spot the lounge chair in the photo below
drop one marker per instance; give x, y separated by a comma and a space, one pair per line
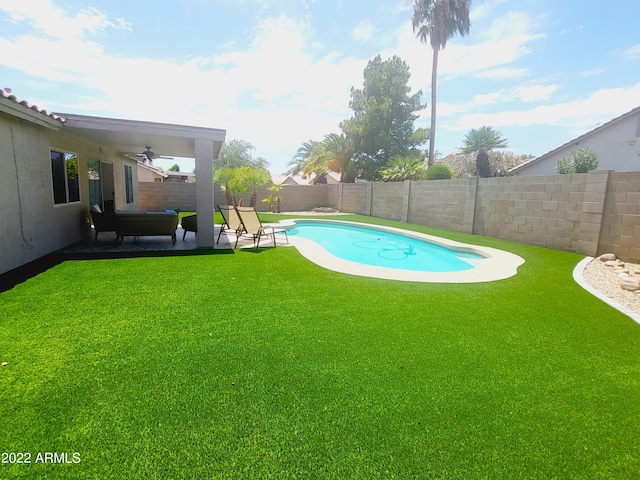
253, 226
231, 219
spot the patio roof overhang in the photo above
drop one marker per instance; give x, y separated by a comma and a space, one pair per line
127, 136
132, 135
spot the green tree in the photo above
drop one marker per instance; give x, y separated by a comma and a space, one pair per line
382, 126
174, 168
436, 21
238, 153
403, 168
481, 141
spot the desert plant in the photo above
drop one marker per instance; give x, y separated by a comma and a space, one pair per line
275, 197
403, 167
438, 172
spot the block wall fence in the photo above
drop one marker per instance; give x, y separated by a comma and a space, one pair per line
589, 213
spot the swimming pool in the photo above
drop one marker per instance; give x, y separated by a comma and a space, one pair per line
396, 254
380, 248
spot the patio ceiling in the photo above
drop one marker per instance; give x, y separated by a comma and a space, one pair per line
131, 136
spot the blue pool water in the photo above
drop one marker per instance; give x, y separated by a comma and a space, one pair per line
380, 248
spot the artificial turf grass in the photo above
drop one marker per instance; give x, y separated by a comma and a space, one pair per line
256, 364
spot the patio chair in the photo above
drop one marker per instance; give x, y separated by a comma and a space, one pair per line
231, 219
189, 224
254, 227
102, 221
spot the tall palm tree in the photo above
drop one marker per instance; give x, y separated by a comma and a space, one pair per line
339, 152
436, 21
481, 141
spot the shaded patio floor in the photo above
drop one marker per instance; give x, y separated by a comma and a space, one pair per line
107, 243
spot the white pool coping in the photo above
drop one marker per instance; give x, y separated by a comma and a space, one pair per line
497, 264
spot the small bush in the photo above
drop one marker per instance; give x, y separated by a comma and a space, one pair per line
582, 161
565, 165
438, 172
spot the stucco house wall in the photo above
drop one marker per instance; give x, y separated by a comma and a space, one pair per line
616, 143
34, 225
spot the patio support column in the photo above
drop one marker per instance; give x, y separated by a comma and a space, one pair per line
204, 192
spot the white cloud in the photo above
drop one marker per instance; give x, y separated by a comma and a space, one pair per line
632, 53
579, 115
363, 32
56, 23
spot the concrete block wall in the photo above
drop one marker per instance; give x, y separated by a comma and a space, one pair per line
159, 196
354, 198
446, 204
620, 232
555, 211
387, 200
542, 210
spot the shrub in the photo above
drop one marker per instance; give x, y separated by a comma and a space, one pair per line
582, 161
438, 172
565, 165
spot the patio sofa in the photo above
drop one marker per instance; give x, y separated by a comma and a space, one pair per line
138, 224
135, 224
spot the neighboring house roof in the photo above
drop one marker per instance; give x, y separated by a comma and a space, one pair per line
578, 140
152, 169
332, 178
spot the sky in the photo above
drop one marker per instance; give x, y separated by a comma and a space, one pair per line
277, 73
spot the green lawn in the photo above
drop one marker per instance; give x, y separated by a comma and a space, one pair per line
260, 364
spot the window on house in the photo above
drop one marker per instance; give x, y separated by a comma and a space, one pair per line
64, 172
128, 182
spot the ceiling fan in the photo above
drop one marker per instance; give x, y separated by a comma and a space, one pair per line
147, 156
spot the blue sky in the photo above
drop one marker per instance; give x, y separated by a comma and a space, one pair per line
279, 72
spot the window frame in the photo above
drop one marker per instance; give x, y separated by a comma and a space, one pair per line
64, 190
128, 184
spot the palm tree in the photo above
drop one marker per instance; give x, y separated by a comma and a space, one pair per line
254, 178
310, 159
339, 152
224, 177
481, 141
437, 21
403, 168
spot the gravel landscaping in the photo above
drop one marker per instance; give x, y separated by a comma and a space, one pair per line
605, 279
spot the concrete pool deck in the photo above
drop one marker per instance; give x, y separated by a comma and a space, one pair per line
496, 265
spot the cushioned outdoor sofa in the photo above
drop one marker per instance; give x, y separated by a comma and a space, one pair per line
135, 224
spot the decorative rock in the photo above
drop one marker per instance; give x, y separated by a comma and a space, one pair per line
606, 257
628, 282
611, 263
